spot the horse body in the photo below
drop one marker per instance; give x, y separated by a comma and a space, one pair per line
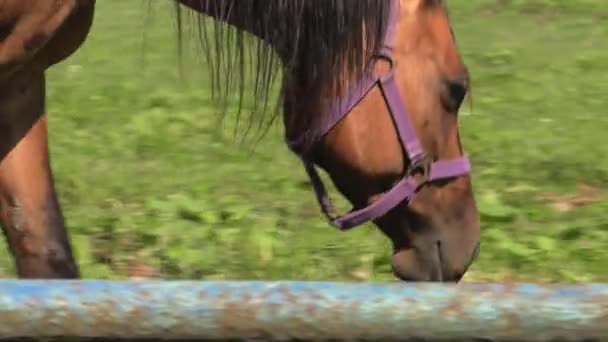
325, 50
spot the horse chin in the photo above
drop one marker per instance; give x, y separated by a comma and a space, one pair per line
415, 264
406, 267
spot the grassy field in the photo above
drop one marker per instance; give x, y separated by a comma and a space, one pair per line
151, 186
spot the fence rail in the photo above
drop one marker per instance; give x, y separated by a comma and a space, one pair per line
178, 310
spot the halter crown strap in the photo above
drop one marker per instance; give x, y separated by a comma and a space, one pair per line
409, 185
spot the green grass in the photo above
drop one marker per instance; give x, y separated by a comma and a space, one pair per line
148, 181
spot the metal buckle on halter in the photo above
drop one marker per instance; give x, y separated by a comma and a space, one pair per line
420, 166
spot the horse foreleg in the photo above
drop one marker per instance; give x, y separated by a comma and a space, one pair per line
30, 213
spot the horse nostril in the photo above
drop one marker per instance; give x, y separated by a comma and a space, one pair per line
439, 261
475, 252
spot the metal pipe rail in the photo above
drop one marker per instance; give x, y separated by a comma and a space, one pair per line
180, 310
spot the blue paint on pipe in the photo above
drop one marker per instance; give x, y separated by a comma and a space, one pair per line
302, 310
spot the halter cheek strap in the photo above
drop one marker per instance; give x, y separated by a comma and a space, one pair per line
426, 169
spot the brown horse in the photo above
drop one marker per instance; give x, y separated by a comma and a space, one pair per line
370, 93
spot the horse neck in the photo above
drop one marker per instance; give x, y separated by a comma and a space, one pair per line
239, 14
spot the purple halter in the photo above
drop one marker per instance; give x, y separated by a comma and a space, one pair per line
408, 186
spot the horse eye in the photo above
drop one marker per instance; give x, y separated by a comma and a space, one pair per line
454, 92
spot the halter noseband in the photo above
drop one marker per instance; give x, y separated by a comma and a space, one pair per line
409, 185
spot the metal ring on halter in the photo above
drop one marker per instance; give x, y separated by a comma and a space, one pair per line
421, 166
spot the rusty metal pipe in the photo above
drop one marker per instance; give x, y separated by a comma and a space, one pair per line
174, 310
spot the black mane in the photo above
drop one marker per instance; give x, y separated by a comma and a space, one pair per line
318, 42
